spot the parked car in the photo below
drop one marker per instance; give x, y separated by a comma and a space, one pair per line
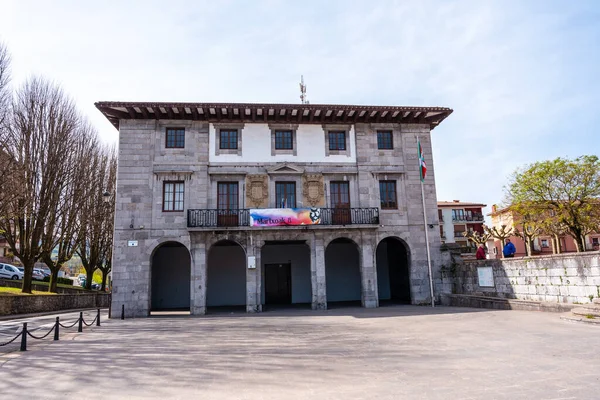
38, 275
10, 272
95, 286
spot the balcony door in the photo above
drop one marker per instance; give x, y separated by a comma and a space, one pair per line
340, 202
227, 204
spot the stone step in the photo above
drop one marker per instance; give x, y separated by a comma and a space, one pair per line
589, 306
573, 318
596, 300
586, 312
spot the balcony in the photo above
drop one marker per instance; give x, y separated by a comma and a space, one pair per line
214, 218
468, 218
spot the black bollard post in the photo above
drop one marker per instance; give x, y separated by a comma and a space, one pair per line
123, 311
56, 328
110, 309
98, 318
24, 337
80, 327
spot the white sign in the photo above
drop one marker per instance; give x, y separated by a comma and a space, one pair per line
132, 243
486, 276
251, 262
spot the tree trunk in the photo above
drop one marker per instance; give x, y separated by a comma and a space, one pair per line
528, 246
557, 240
53, 279
104, 275
88, 279
27, 277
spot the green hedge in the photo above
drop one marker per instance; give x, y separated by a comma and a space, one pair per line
64, 281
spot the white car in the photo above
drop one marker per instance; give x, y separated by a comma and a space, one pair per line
10, 272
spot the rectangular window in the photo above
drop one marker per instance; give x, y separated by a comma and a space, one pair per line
227, 204
283, 140
173, 196
458, 215
544, 243
387, 194
175, 138
227, 196
595, 242
385, 140
337, 140
285, 194
228, 139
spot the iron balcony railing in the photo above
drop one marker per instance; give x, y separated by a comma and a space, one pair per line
467, 218
214, 218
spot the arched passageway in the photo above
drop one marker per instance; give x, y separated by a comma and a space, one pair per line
393, 271
342, 272
286, 273
170, 278
226, 275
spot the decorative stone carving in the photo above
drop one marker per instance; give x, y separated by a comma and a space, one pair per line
257, 191
313, 190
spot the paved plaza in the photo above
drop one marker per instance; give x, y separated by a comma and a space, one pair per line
396, 352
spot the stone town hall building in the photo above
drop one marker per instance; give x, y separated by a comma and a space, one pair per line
256, 205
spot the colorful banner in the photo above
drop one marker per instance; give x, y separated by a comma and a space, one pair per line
284, 216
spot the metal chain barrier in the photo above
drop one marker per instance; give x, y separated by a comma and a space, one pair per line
11, 340
42, 337
24, 332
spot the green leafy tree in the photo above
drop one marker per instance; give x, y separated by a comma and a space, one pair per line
568, 189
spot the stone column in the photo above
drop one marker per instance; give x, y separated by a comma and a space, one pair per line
253, 278
317, 274
368, 274
198, 279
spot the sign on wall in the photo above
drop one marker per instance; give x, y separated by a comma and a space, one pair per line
485, 276
284, 216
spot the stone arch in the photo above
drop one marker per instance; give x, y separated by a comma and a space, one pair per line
393, 270
226, 274
343, 270
170, 273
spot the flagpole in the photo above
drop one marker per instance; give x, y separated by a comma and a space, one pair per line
425, 226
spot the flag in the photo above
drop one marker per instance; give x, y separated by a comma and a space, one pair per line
422, 166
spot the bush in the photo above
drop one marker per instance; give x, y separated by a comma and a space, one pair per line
63, 281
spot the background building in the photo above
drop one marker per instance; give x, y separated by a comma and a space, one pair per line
256, 205
457, 217
543, 243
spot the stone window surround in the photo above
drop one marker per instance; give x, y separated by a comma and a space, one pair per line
352, 180
396, 130
278, 178
175, 130
337, 128
389, 176
214, 181
284, 127
161, 137
228, 125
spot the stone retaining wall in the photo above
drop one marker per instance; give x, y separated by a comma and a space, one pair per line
27, 304
564, 278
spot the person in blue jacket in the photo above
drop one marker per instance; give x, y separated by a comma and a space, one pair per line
509, 249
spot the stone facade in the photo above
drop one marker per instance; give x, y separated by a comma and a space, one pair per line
141, 225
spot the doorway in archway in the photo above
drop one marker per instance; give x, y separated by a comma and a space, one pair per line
226, 277
393, 272
342, 273
286, 280
170, 278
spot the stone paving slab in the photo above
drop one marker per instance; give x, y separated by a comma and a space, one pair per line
398, 352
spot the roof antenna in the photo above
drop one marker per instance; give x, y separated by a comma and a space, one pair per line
303, 90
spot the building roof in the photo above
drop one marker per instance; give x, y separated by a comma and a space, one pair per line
457, 203
276, 113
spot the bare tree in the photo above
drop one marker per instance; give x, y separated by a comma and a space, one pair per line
94, 212
476, 237
62, 228
36, 139
501, 234
5, 93
108, 217
6, 164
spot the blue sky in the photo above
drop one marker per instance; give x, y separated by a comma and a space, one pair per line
521, 76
